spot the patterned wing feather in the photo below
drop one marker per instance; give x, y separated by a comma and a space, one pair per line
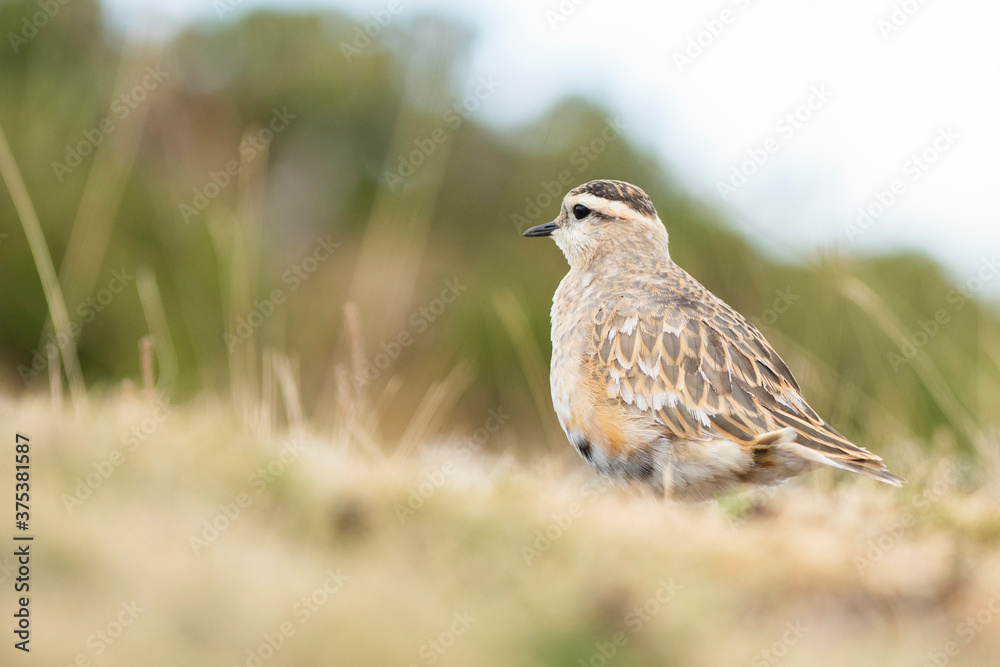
704, 371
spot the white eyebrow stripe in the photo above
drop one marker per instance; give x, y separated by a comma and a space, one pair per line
615, 209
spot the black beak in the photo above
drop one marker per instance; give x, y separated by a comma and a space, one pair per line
542, 230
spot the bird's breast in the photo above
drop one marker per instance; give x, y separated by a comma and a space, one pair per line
579, 395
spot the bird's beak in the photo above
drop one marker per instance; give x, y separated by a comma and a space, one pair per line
542, 230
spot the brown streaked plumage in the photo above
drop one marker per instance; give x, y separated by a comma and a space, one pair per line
656, 379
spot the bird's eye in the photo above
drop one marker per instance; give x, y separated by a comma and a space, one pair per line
581, 211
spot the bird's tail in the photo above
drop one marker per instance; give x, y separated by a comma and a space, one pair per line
856, 459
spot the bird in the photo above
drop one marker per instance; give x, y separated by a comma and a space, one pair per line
657, 381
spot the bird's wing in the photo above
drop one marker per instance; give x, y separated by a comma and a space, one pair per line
704, 371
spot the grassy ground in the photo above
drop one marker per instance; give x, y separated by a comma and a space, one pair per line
201, 546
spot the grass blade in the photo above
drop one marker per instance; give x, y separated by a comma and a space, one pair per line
46, 272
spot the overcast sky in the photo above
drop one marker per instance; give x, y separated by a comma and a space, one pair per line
886, 105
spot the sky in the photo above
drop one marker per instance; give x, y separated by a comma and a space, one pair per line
861, 126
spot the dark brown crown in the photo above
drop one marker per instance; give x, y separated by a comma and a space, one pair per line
628, 194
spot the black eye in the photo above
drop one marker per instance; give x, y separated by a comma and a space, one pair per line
581, 211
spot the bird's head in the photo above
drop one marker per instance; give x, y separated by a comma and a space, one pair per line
606, 219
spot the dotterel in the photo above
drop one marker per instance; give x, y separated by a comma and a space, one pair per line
655, 379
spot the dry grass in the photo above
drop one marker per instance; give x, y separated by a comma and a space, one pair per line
742, 569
